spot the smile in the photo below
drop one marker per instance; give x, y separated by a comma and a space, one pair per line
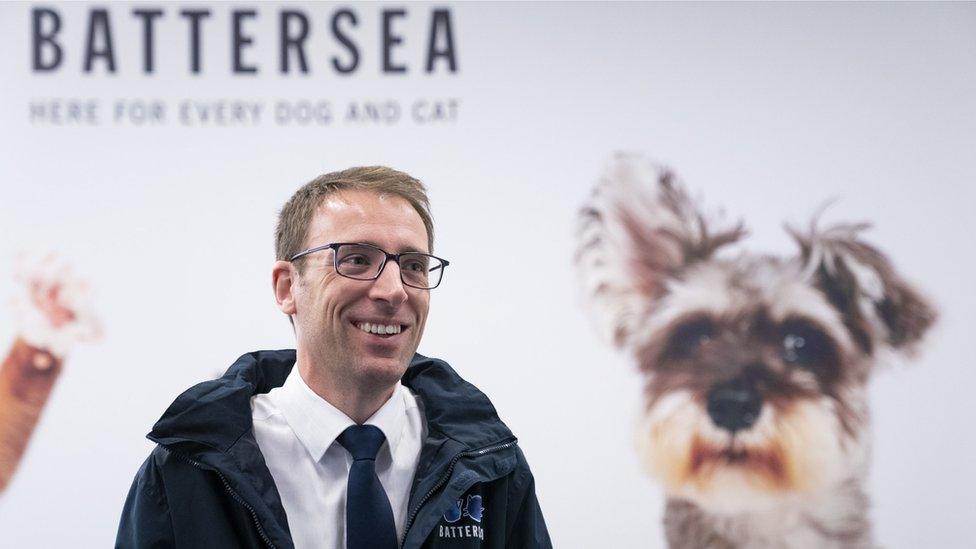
380, 329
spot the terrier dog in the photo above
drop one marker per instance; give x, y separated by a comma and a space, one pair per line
755, 367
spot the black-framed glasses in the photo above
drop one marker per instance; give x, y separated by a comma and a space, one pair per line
366, 262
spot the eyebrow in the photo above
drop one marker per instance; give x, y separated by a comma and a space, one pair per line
400, 251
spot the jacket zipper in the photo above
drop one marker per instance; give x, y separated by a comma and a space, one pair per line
230, 490
446, 476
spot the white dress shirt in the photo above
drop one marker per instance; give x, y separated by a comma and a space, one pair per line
296, 430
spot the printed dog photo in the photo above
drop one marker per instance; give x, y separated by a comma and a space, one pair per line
755, 367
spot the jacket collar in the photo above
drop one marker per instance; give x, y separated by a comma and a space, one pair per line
217, 414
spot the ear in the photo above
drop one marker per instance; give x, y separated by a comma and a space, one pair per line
877, 305
639, 230
283, 275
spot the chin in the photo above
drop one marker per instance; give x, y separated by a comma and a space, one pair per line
381, 371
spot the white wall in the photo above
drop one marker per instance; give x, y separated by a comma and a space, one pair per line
767, 110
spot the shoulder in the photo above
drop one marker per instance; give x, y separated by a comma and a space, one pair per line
163, 471
149, 487
522, 477
149, 477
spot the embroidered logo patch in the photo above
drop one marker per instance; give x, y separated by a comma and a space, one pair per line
472, 508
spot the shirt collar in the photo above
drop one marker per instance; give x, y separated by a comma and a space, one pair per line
317, 423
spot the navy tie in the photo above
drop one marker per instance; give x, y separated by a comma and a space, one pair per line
369, 517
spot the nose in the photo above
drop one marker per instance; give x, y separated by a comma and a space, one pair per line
734, 405
388, 286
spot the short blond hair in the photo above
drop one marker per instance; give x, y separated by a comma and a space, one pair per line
296, 215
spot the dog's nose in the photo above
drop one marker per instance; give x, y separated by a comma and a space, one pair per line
734, 406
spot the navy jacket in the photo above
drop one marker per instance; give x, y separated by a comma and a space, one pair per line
206, 483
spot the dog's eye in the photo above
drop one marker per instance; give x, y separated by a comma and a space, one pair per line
805, 345
688, 337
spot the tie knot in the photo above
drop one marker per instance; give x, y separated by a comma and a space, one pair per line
362, 441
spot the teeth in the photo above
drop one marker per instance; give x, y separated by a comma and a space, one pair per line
379, 329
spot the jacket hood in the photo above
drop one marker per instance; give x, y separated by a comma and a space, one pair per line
217, 413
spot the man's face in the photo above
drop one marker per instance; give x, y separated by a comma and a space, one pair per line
330, 309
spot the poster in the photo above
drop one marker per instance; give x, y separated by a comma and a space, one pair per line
149, 147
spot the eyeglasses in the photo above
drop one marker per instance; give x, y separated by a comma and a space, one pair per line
366, 262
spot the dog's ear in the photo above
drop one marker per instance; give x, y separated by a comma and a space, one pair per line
877, 305
638, 230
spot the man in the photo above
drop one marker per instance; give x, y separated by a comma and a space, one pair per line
339, 443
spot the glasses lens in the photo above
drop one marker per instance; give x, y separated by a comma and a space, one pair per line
359, 261
421, 270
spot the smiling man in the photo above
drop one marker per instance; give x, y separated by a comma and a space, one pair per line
352, 439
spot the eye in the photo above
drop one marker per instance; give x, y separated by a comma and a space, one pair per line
806, 345
688, 337
413, 265
354, 259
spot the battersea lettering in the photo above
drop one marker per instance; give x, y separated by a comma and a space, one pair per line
100, 50
472, 531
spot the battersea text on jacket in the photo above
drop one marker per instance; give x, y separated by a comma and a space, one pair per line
206, 483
